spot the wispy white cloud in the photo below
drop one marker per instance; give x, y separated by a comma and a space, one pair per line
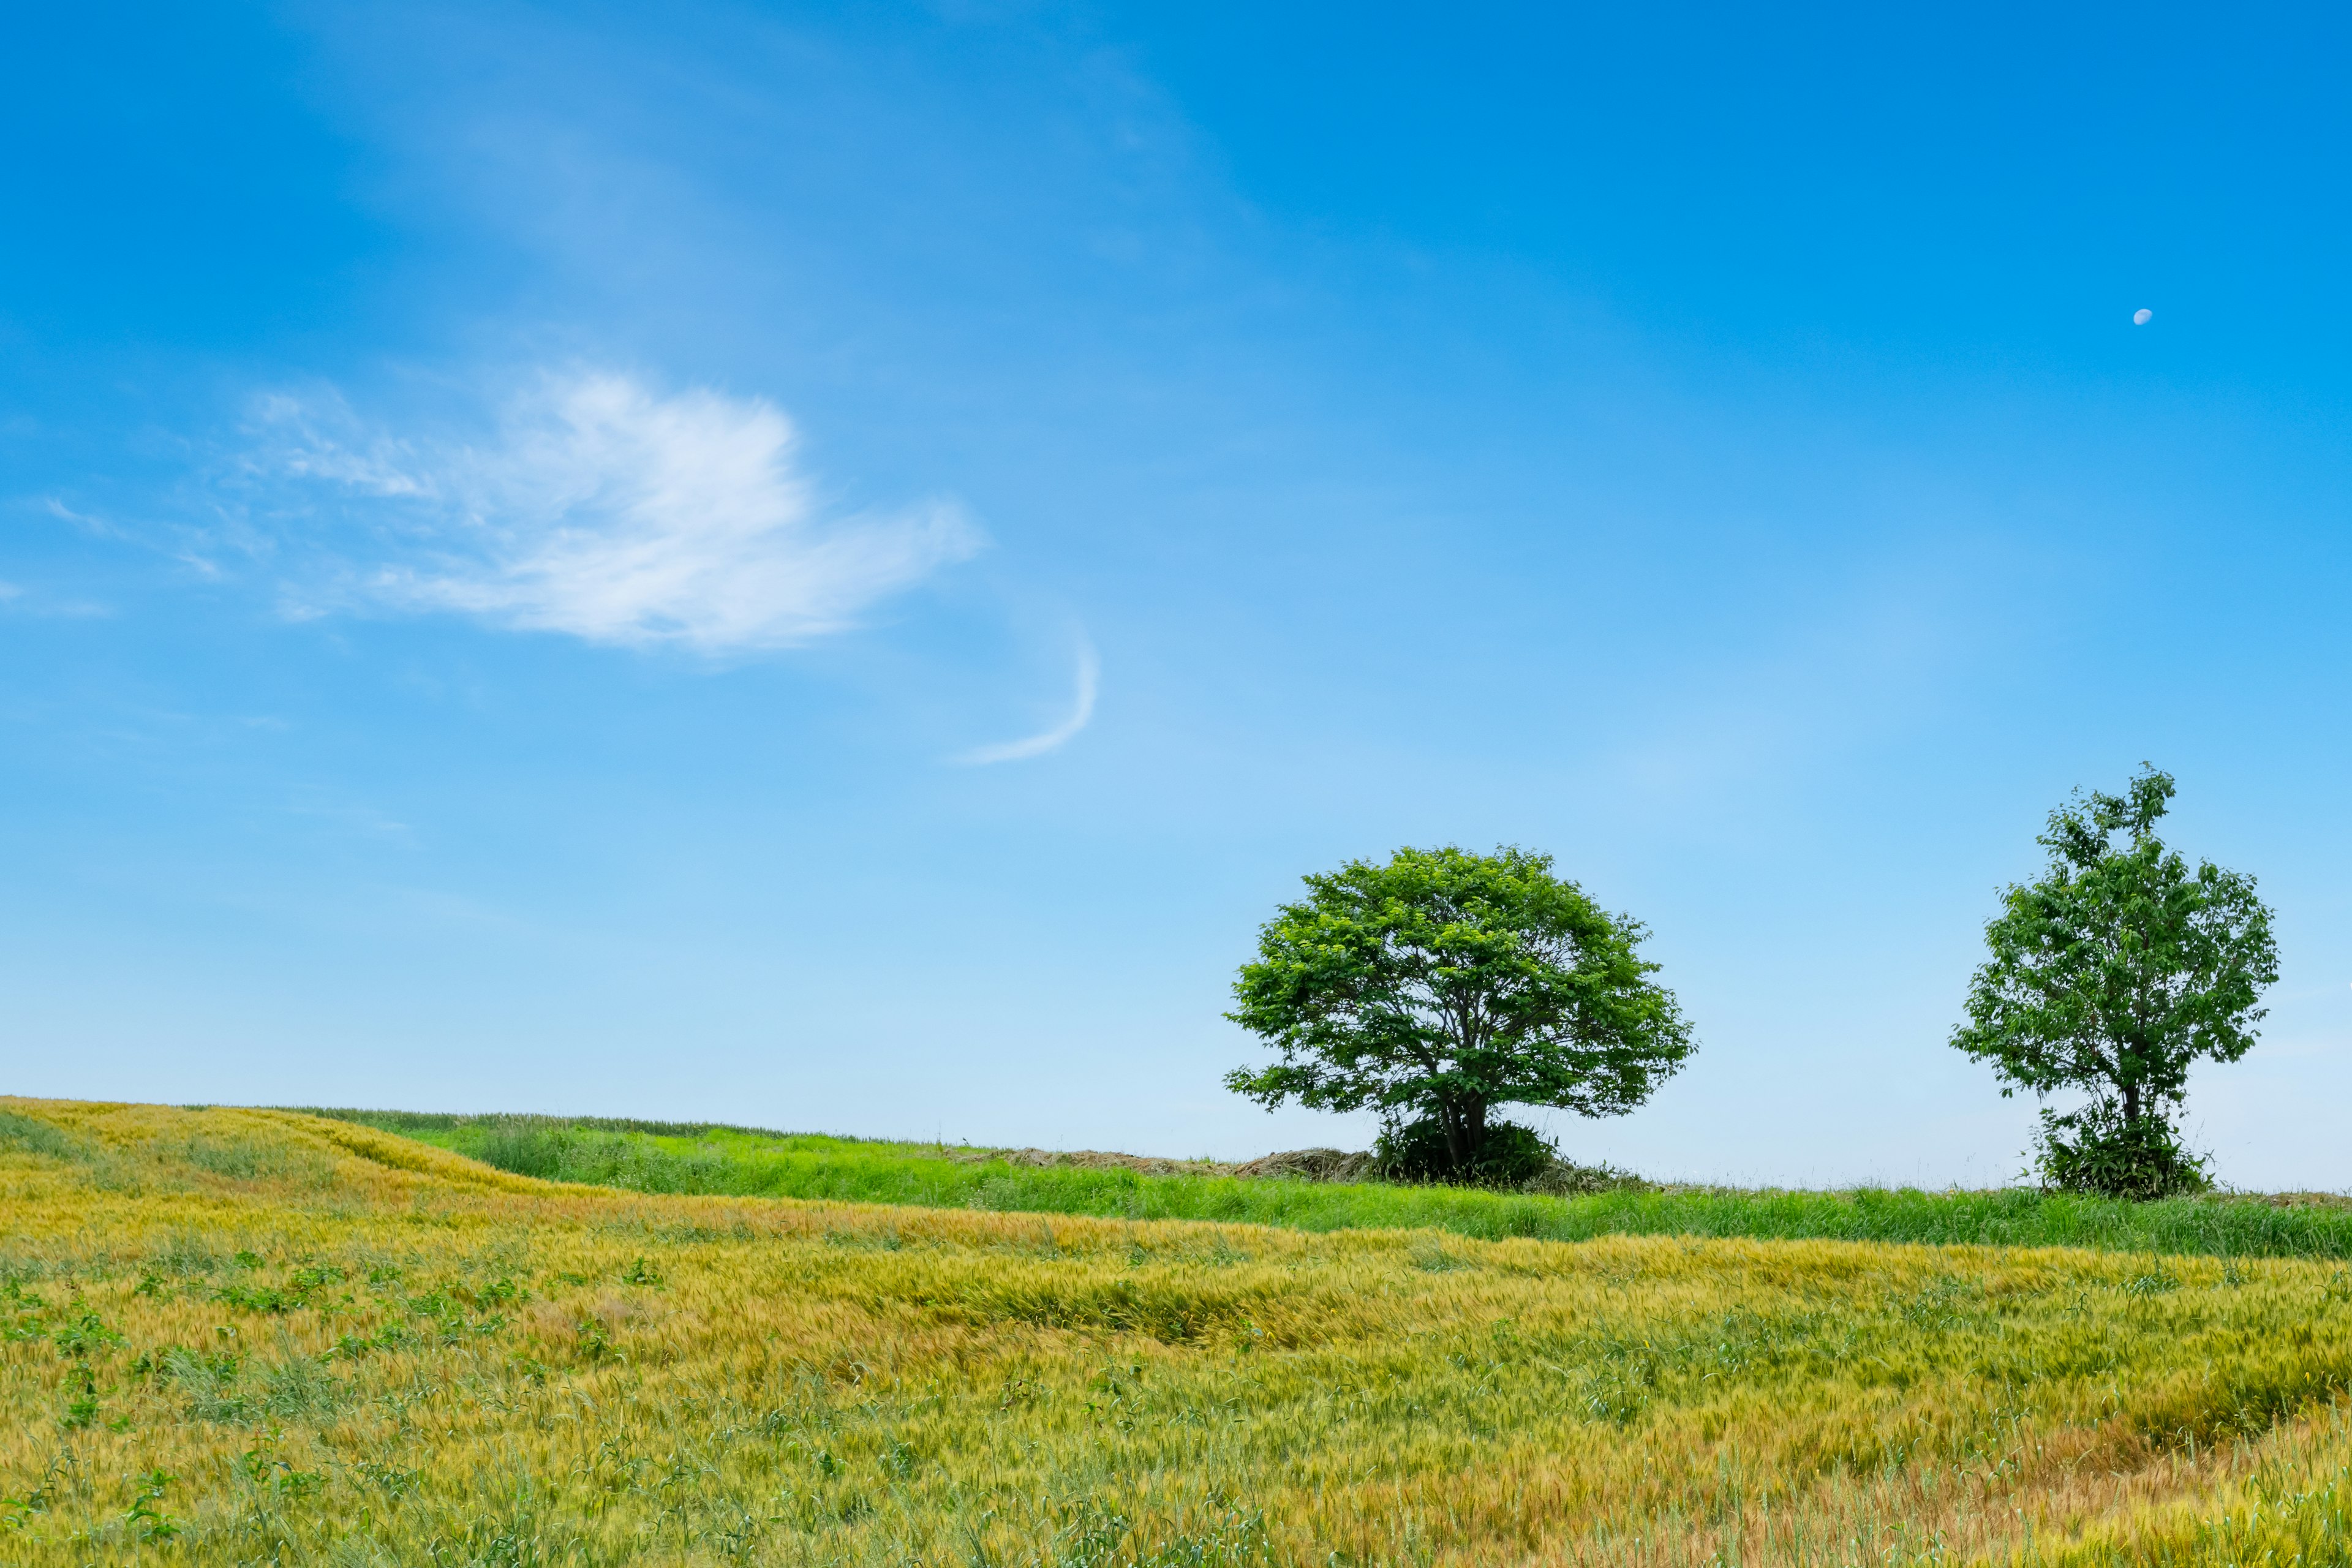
1082, 709
172, 541
89, 522
318, 437
16, 599
597, 508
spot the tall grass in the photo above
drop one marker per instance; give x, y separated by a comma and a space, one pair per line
744, 1163
352, 1349
426, 1124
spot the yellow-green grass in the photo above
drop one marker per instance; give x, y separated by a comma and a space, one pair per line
235, 1336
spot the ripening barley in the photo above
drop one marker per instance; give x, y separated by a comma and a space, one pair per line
248, 1336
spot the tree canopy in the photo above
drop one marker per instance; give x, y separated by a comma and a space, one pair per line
2113, 975
1444, 983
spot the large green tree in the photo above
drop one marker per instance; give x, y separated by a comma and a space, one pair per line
1444, 983
2112, 976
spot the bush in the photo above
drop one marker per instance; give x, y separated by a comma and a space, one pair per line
1512, 1156
2096, 1150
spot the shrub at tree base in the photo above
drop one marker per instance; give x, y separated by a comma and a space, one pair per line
2098, 1150
1512, 1157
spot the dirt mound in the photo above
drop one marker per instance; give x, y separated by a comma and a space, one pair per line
1309, 1165
1097, 1160
1294, 1164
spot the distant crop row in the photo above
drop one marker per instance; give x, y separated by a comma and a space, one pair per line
736, 1162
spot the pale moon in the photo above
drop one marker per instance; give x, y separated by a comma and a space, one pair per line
2142, 318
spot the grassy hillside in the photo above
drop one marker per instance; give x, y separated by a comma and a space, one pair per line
249, 1336
657, 1157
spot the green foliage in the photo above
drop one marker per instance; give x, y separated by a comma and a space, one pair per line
2096, 1149
146, 1520
1443, 983
2113, 976
1511, 1157
84, 1336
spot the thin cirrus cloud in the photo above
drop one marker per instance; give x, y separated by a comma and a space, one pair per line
599, 510
1082, 709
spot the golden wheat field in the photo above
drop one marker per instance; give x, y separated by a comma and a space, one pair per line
237, 1336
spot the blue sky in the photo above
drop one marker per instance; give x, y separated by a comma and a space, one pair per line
825, 566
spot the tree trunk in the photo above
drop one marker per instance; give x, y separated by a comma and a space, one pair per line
1465, 1121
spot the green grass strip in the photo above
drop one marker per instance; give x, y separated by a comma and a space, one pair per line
658, 1157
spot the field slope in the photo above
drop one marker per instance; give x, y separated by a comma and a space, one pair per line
254, 1336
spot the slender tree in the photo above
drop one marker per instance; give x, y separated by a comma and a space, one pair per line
2112, 976
1444, 983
